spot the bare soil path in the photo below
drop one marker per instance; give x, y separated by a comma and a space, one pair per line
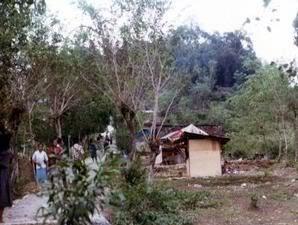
24, 210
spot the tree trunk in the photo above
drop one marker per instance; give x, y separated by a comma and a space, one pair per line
155, 113
286, 145
279, 149
154, 147
129, 118
285, 139
151, 168
58, 126
279, 139
15, 162
14, 172
132, 141
14, 122
296, 144
264, 142
295, 124
31, 134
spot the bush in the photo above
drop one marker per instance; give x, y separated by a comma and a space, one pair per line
254, 198
135, 174
155, 205
75, 191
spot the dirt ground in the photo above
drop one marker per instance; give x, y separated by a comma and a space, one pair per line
26, 183
274, 186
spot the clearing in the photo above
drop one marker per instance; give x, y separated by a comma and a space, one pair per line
275, 186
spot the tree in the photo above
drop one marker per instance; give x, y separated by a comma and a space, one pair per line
214, 66
219, 57
63, 84
35, 83
15, 19
90, 116
259, 119
132, 60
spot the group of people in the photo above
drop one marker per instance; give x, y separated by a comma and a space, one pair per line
44, 161
99, 145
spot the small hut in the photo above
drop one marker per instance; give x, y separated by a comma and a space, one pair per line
202, 150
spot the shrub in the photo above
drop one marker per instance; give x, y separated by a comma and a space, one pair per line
75, 191
254, 198
157, 204
144, 206
135, 174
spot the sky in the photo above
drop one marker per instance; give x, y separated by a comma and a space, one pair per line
221, 16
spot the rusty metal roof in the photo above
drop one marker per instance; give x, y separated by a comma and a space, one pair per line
212, 130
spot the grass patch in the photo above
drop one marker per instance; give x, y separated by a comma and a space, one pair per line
224, 180
161, 206
281, 196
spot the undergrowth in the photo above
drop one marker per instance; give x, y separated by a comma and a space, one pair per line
76, 193
145, 204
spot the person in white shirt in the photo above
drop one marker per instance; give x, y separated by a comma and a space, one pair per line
77, 150
40, 159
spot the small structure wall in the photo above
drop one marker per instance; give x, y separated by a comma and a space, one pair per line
204, 158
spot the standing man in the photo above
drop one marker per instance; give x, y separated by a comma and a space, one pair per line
92, 150
40, 159
5, 159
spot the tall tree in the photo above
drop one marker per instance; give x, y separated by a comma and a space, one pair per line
35, 83
259, 119
64, 87
15, 19
133, 62
214, 65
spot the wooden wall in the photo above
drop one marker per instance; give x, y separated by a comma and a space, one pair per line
204, 158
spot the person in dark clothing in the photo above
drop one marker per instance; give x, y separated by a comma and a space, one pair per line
5, 159
92, 149
106, 142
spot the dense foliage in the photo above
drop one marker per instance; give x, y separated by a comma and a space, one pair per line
15, 19
212, 65
261, 117
259, 120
